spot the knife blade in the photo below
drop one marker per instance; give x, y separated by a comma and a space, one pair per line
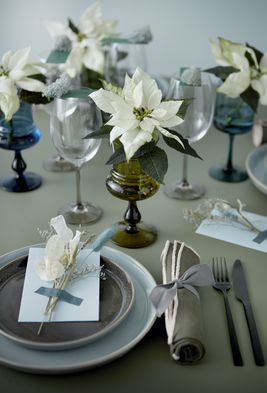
241, 293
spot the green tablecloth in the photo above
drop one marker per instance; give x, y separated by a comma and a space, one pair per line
148, 367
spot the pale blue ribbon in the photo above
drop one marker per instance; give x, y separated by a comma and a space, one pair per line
60, 294
197, 275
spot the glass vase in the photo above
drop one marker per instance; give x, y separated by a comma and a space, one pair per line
128, 181
19, 134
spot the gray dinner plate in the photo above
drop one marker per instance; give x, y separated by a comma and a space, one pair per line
112, 345
116, 300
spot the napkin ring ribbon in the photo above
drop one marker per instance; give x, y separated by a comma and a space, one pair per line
60, 294
196, 276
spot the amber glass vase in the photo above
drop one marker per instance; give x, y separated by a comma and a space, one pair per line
128, 181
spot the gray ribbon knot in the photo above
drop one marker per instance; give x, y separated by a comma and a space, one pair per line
196, 276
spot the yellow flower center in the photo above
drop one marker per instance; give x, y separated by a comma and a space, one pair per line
141, 113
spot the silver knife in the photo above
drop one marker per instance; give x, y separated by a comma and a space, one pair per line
241, 293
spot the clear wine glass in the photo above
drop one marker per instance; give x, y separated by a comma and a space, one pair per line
71, 120
196, 124
123, 58
234, 117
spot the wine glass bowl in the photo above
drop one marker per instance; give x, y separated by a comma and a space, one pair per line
71, 121
233, 117
122, 58
196, 124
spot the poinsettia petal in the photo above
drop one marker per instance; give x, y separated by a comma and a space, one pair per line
169, 135
155, 99
133, 139
104, 100
115, 133
93, 58
263, 63
148, 124
54, 28
235, 84
138, 95
30, 84
171, 122
171, 108
60, 226
260, 85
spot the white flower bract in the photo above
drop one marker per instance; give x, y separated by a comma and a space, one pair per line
15, 72
251, 73
137, 112
60, 251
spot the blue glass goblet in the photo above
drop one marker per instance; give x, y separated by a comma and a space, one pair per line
19, 134
234, 117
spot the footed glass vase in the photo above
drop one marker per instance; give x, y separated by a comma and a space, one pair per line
19, 134
128, 181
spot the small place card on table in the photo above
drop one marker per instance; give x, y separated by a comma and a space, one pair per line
236, 233
87, 288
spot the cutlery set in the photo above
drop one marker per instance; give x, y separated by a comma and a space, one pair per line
223, 284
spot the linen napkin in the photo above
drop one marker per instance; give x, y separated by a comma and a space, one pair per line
181, 272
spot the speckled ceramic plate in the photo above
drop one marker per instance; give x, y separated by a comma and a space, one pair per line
111, 346
116, 300
256, 167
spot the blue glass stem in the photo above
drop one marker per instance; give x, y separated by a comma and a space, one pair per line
229, 165
18, 164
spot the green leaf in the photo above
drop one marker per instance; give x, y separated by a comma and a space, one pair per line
117, 157
221, 71
115, 40
38, 77
91, 78
33, 97
146, 148
257, 52
102, 132
73, 27
110, 87
57, 57
177, 146
251, 97
82, 93
250, 59
155, 164
183, 108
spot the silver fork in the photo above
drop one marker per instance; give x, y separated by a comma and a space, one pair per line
222, 284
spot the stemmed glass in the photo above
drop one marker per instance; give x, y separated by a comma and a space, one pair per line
123, 58
196, 124
234, 117
71, 120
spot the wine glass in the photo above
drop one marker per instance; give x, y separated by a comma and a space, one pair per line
196, 123
71, 120
123, 58
234, 117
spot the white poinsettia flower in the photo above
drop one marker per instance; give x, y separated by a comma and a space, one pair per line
15, 72
9, 101
86, 49
17, 67
138, 113
60, 251
227, 53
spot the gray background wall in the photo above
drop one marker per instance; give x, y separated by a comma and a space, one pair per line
181, 29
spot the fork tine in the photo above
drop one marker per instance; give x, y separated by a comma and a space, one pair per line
226, 270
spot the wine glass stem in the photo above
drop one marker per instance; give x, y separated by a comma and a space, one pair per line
184, 175
229, 165
78, 187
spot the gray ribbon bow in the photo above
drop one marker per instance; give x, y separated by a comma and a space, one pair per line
197, 275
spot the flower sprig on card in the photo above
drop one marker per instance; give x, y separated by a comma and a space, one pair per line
216, 209
59, 264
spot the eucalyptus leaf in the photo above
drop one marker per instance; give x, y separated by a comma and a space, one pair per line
82, 93
177, 146
102, 132
57, 57
155, 164
221, 71
115, 40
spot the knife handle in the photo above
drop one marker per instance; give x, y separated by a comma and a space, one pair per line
237, 357
254, 337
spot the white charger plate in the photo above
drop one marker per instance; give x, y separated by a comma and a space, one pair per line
113, 345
